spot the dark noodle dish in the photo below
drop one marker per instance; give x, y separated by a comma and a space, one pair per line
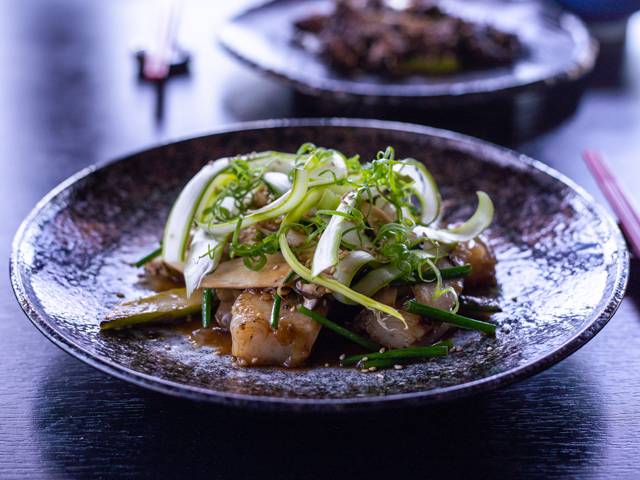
270, 248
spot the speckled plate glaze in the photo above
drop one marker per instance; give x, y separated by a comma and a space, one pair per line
558, 48
562, 268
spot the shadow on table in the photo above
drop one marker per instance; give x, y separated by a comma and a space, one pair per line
93, 425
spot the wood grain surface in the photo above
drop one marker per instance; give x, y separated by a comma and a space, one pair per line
69, 97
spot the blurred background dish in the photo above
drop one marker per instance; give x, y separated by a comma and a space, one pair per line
538, 89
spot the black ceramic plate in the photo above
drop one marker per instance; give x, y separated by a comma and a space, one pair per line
562, 268
558, 49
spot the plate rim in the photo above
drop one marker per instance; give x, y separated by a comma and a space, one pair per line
42, 321
582, 62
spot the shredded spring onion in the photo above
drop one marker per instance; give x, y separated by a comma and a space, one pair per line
348, 267
178, 227
332, 284
326, 254
275, 209
474, 226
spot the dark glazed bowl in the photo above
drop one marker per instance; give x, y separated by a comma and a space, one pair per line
562, 269
558, 50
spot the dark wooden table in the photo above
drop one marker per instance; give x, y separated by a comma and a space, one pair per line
69, 97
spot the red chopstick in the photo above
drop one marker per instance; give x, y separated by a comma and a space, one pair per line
617, 198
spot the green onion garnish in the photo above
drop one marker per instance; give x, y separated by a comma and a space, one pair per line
207, 300
451, 272
275, 311
340, 330
379, 363
449, 317
150, 256
415, 352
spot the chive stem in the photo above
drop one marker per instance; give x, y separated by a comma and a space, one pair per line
415, 352
207, 300
340, 330
451, 272
150, 256
449, 317
379, 363
275, 311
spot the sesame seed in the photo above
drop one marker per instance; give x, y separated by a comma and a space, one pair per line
489, 349
326, 365
382, 350
364, 370
379, 375
342, 357
398, 367
372, 369
275, 267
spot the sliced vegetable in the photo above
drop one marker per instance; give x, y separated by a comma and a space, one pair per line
347, 268
474, 226
376, 280
167, 305
235, 274
178, 226
275, 209
326, 254
278, 182
211, 194
425, 189
449, 317
273, 161
332, 284
331, 167
204, 256
339, 329
309, 201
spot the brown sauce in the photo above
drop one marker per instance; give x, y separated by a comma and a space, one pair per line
216, 338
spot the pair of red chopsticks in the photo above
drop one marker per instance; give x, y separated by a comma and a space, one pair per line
617, 198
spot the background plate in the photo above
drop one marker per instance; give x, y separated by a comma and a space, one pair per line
562, 268
559, 50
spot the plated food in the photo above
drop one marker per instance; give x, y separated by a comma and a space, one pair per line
417, 37
561, 268
490, 50
272, 246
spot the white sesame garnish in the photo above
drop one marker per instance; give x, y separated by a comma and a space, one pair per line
342, 357
364, 359
372, 369
489, 349
326, 365
379, 375
364, 370
382, 350
398, 367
